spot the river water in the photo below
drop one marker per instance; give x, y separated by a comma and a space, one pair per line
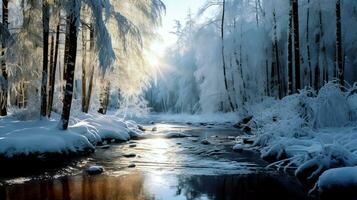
161, 166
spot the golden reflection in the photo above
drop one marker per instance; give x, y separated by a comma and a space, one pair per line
82, 188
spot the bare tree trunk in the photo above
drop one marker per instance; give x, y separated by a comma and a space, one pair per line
223, 57
71, 63
90, 85
54, 60
66, 51
290, 53
46, 30
277, 59
296, 33
4, 82
50, 81
339, 56
84, 65
308, 44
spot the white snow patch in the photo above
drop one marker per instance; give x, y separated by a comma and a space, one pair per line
43, 136
345, 177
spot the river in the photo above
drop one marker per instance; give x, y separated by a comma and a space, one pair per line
161, 166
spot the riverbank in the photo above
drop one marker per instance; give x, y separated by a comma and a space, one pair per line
42, 140
310, 133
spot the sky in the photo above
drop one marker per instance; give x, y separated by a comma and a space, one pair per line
175, 10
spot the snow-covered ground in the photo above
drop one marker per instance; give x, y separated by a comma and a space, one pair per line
43, 136
313, 132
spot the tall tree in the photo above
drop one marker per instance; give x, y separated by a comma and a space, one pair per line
73, 16
46, 31
4, 81
339, 53
290, 53
296, 34
84, 66
223, 56
91, 77
53, 68
276, 65
308, 49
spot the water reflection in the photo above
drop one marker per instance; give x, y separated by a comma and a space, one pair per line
157, 186
81, 187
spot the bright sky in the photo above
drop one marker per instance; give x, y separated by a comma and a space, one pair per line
175, 10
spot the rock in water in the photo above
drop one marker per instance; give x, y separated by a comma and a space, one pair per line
154, 129
238, 148
141, 128
94, 170
132, 165
132, 145
205, 142
243, 122
177, 135
130, 155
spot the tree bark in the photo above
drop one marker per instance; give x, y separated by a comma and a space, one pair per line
339, 56
53, 71
46, 30
84, 65
73, 17
66, 51
308, 49
91, 78
4, 82
277, 59
290, 53
223, 57
295, 9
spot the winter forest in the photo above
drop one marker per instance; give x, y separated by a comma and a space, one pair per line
153, 99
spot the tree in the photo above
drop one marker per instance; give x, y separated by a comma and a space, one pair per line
296, 34
339, 53
290, 53
73, 16
46, 31
4, 78
53, 67
223, 57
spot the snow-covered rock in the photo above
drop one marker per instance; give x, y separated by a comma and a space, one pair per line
94, 170
339, 178
238, 148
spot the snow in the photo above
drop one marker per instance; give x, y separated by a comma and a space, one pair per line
307, 131
344, 177
43, 136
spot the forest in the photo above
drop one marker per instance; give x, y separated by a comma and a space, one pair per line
248, 88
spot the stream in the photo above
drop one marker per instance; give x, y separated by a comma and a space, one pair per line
161, 166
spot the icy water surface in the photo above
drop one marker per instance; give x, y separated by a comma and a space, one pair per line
162, 166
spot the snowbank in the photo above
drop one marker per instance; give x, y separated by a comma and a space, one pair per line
345, 177
43, 136
312, 132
